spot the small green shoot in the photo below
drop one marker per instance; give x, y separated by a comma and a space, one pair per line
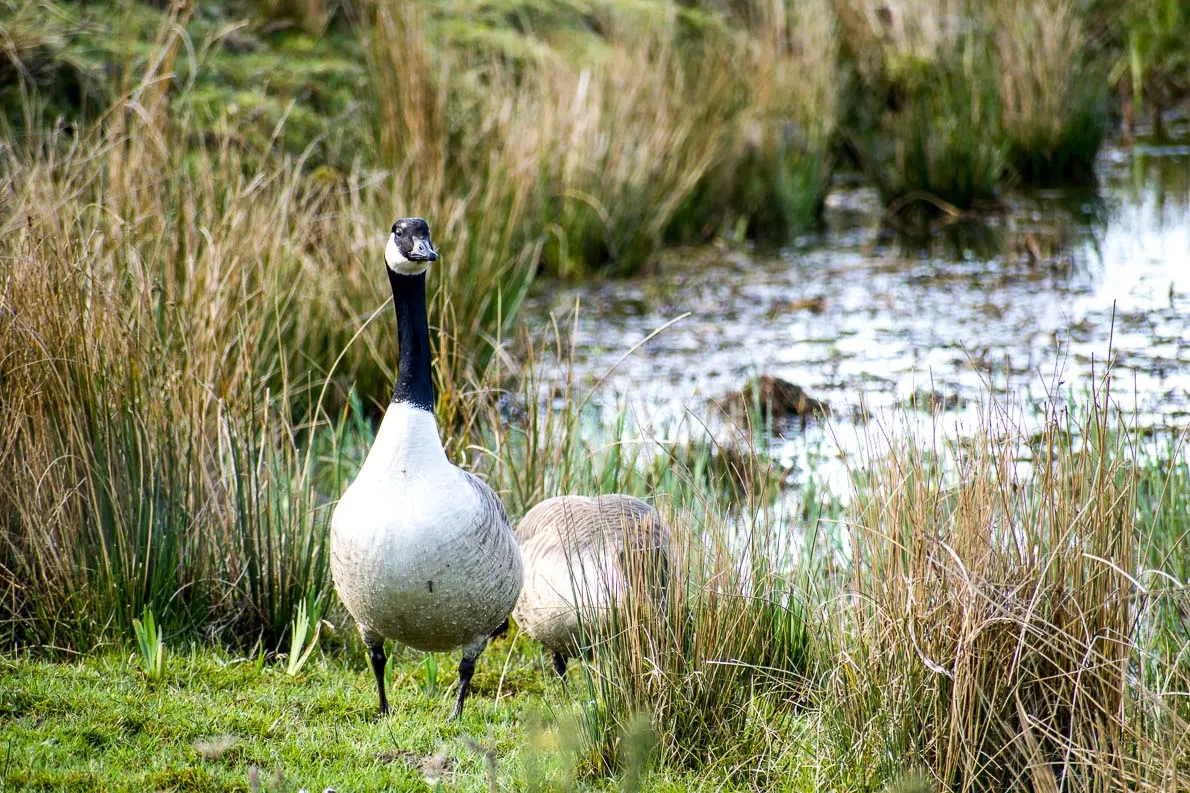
430, 684
150, 640
299, 651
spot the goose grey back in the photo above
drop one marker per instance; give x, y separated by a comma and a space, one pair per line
581, 557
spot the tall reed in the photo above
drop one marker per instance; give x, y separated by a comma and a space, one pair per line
723, 658
144, 425
1053, 95
179, 319
774, 166
992, 635
630, 139
1156, 58
925, 119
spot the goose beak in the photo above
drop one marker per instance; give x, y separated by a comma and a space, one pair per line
423, 251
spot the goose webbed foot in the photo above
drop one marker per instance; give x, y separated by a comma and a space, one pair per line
376, 651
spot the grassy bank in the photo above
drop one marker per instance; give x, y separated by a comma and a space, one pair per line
959, 617
95, 724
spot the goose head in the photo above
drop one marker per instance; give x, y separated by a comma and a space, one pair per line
409, 250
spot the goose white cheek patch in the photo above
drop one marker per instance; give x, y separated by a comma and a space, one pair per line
392, 254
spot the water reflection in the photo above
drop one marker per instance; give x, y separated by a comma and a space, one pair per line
864, 314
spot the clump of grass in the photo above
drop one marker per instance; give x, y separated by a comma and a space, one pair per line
728, 648
630, 141
925, 120
1053, 98
1163, 508
717, 663
773, 169
429, 668
150, 641
735, 472
1157, 57
299, 651
992, 636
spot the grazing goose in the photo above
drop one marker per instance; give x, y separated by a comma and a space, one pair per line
577, 565
421, 552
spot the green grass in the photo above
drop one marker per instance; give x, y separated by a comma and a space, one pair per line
95, 723
1155, 58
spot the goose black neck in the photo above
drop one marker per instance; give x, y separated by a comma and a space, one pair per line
414, 385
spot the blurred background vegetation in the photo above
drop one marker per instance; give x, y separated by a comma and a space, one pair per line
637, 123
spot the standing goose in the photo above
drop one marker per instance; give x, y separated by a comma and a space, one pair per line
580, 562
421, 551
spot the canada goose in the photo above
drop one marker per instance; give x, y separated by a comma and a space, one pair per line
421, 551
577, 565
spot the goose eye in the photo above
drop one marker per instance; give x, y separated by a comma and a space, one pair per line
397, 232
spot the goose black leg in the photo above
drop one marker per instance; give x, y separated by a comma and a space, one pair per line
378, 662
560, 665
560, 668
471, 654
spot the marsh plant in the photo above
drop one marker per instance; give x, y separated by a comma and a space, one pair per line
633, 137
955, 98
723, 654
992, 634
776, 166
924, 124
1053, 92
1157, 60
300, 651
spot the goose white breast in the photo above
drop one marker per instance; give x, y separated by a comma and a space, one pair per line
421, 551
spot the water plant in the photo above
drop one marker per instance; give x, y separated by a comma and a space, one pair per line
770, 176
925, 117
722, 658
1157, 56
1053, 93
994, 632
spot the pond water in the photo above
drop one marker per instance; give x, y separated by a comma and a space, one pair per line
1030, 301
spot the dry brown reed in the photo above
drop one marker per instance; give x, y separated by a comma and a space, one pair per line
776, 166
178, 323
629, 139
1053, 96
144, 313
716, 664
992, 634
